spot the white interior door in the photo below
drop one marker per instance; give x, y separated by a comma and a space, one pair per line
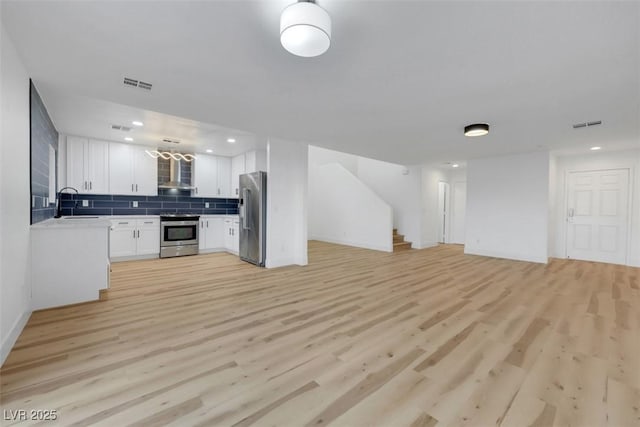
443, 214
458, 211
597, 215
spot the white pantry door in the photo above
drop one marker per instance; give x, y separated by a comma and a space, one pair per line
597, 215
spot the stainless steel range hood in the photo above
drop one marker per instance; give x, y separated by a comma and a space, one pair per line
176, 178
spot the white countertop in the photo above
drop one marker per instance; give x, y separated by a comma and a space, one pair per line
72, 222
80, 221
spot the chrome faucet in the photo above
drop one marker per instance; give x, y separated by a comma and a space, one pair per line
59, 200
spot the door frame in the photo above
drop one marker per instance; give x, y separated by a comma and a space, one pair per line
444, 215
630, 201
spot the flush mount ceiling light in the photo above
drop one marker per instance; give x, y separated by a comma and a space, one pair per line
231, 140
476, 129
596, 148
209, 150
128, 138
455, 165
137, 123
305, 29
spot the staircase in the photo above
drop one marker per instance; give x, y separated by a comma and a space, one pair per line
398, 242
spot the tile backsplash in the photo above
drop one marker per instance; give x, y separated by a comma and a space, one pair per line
44, 139
167, 201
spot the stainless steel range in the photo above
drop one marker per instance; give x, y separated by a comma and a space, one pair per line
178, 235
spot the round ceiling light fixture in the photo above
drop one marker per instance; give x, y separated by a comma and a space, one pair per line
305, 29
476, 129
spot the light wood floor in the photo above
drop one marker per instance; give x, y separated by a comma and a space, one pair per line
357, 338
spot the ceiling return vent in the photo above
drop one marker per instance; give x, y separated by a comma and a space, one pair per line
586, 124
137, 83
171, 141
122, 128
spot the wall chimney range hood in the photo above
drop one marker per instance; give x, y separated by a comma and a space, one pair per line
176, 177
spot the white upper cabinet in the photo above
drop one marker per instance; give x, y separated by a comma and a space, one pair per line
88, 165
237, 169
251, 161
132, 170
205, 176
224, 177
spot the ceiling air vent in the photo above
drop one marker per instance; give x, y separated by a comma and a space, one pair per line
122, 128
137, 83
171, 141
584, 125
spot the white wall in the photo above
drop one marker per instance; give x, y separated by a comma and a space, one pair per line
15, 280
344, 210
430, 215
507, 207
286, 203
597, 161
400, 187
322, 156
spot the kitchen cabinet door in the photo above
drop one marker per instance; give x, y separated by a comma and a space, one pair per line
75, 163
148, 237
202, 234
237, 169
205, 176
215, 233
97, 166
235, 233
228, 234
121, 179
122, 238
145, 172
224, 177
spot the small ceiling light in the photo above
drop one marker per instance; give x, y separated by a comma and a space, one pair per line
231, 140
455, 165
209, 150
596, 148
137, 123
305, 29
476, 129
128, 138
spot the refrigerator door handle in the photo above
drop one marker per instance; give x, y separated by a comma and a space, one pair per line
247, 208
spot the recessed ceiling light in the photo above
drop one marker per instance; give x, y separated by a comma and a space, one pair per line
455, 165
596, 148
137, 123
209, 150
231, 140
128, 138
476, 129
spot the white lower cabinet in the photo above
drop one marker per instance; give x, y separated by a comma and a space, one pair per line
211, 233
231, 235
134, 237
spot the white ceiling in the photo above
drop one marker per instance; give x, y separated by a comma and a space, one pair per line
399, 82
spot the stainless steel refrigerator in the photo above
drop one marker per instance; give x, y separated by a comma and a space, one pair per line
253, 217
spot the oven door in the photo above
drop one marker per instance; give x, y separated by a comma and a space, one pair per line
178, 233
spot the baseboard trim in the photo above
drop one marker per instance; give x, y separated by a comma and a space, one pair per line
10, 340
515, 257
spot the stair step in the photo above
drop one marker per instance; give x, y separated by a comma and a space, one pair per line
401, 246
398, 238
395, 231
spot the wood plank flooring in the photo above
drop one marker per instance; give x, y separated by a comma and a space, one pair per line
357, 338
